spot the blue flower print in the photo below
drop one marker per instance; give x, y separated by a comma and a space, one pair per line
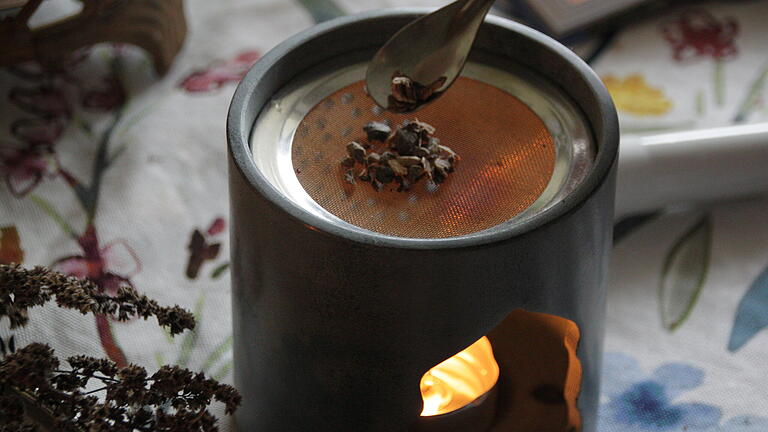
745, 423
634, 402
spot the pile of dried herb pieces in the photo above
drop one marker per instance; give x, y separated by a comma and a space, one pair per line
403, 156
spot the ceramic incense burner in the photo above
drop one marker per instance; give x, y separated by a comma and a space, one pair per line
347, 301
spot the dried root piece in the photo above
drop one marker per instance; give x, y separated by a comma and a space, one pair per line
408, 95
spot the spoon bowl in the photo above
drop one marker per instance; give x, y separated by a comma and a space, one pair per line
431, 51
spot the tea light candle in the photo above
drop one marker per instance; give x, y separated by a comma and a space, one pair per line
460, 380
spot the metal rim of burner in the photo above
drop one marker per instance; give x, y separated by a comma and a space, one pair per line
305, 297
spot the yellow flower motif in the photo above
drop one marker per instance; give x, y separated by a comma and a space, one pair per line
635, 96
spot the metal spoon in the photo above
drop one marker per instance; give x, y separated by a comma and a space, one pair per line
429, 50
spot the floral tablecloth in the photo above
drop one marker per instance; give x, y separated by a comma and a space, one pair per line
113, 173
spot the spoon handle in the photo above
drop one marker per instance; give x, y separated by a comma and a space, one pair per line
474, 8
472, 13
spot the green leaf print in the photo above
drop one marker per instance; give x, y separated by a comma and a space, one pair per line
322, 10
684, 273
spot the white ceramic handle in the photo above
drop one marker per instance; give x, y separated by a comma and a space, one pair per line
687, 167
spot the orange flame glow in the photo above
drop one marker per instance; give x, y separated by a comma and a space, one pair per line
459, 380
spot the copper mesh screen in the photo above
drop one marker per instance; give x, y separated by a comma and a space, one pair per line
507, 159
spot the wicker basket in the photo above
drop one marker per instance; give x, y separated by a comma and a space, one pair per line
158, 26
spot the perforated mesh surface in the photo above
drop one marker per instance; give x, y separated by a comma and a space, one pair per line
507, 159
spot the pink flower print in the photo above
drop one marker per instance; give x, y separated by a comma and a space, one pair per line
37, 131
30, 70
110, 96
202, 248
44, 101
221, 73
217, 226
82, 267
24, 169
696, 33
109, 267
34, 71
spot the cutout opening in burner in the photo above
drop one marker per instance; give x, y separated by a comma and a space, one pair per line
541, 374
536, 379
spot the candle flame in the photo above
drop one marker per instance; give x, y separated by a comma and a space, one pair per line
459, 380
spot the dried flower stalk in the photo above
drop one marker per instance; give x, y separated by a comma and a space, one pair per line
36, 394
21, 289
